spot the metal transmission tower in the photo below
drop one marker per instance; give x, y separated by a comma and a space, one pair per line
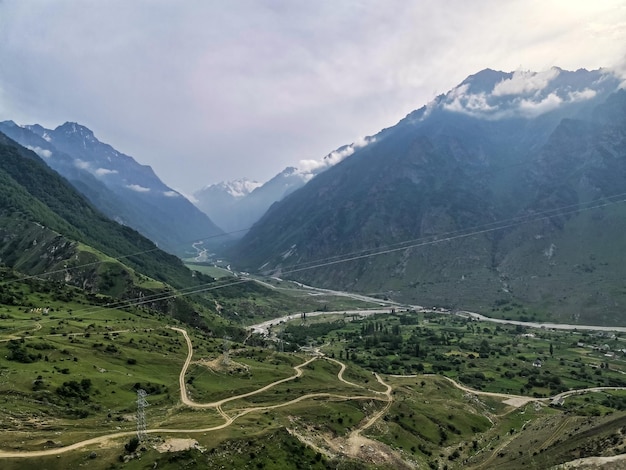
141, 414
226, 360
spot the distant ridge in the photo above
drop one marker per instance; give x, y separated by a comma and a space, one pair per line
235, 206
120, 187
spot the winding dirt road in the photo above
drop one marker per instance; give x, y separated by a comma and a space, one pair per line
355, 440
228, 420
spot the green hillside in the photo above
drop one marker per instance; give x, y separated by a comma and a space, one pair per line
48, 228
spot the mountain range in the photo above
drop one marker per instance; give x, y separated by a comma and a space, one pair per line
504, 191
504, 195
124, 190
236, 205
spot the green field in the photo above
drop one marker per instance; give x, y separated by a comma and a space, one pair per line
70, 371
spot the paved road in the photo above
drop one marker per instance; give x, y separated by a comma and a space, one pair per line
263, 328
554, 326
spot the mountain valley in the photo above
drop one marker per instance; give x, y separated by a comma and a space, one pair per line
447, 293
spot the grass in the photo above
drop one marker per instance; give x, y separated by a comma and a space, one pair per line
213, 271
429, 419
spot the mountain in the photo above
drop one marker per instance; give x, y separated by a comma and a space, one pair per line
120, 187
217, 202
481, 199
236, 206
49, 231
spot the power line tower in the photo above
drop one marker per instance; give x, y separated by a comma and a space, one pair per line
226, 347
141, 414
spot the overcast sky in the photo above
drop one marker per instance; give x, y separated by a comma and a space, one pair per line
207, 90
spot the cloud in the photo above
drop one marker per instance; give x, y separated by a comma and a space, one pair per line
43, 153
531, 108
525, 82
310, 168
81, 164
171, 194
104, 172
525, 94
137, 188
582, 95
348, 68
460, 101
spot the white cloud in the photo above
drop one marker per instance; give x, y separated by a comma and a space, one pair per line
309, 168
530, 108
171, 194
525, 82
345, 68
336, 156
525, 94
459, 100
138, 188
43, 153
83, 165
582, 95
363, 141
104, 172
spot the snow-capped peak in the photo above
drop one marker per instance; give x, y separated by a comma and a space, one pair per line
236, 188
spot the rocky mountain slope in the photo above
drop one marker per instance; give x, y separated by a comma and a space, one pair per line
480, 199
116, 184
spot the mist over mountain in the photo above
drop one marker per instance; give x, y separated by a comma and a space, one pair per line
123, 189
483, 197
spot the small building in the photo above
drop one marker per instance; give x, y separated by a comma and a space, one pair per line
557, 401
537, 363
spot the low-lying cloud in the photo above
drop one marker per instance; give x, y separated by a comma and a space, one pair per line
532, 108
524, 82
81, 164
104, 172
138, 188
309, 168
43, 153
525, 94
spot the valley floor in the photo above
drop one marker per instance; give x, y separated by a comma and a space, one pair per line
355, 444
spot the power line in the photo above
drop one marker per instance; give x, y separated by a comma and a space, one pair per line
493, 170
455, 235
450, 236
112, 258
330, 262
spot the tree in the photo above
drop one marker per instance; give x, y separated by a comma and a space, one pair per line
484, 348
132, 445
551, 350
